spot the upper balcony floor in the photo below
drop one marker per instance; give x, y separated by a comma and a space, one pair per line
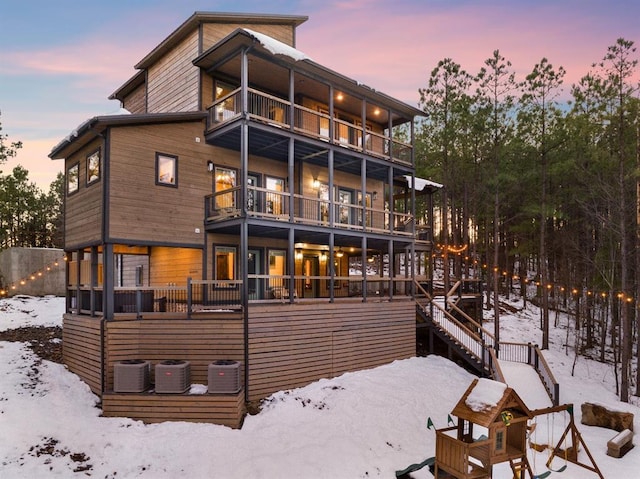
252, 76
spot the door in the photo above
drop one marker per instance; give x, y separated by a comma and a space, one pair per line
254, 268
310, 271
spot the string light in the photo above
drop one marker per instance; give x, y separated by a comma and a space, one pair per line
561, 289
30, 277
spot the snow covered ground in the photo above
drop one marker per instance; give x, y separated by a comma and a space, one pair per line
360, 425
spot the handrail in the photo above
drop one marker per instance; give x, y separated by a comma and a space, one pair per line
508, 351
277, 111
496, 370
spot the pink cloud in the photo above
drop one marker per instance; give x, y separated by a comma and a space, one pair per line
98, 58
394, 50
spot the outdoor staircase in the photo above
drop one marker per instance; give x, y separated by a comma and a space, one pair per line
465, 338
469, 341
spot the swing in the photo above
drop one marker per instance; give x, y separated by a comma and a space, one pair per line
534, 429
550, 434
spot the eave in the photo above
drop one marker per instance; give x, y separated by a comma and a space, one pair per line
241, 38
95, 126
131, 84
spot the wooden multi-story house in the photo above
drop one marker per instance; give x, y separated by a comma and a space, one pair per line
247, 204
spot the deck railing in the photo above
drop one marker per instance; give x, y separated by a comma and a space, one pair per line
316, 124
213, 295
271, 204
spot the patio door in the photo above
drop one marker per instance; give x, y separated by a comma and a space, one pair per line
310, 271
254, 268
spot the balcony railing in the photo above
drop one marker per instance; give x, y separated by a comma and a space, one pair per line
270, 204
316, 124
197, 296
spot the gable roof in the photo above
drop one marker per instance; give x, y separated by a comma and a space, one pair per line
198, 18
485, 399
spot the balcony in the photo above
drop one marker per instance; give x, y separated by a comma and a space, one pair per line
315, 124
198, 297
307, 210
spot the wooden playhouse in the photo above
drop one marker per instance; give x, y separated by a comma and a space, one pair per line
491, 429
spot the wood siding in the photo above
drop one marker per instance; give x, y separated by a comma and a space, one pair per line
141, 210
227, 410
293, 345
172, 81
212, 33
81, 349
199, 341
168, 264
136, 101
83, 208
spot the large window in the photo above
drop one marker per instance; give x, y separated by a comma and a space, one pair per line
274, 197
225, 179
227, 108
166, 170
93, 167
73, 178
225, 263
277, 267
345, 199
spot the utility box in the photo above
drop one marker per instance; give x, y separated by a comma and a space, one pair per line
131, 376
173, 376
224, 377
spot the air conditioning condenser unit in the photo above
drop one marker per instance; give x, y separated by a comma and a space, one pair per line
131, 376
224, 377
173, 376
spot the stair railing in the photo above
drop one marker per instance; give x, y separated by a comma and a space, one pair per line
481, 345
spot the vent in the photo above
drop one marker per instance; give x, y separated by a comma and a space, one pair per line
173, 376
224, 377
131, 376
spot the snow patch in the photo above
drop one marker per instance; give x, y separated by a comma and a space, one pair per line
485, 395
276, 47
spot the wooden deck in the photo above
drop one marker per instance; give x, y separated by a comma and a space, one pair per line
290, 345
227, 409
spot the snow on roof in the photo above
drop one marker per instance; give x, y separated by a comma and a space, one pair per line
421, 183
276, 47
485, 395
75, 132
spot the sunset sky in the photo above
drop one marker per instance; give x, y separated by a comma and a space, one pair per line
60, 60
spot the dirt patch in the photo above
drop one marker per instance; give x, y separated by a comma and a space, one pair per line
46, 342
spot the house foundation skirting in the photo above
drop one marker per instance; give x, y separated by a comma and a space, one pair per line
224, 409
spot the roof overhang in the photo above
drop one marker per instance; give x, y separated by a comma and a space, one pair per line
241, 38
95, 126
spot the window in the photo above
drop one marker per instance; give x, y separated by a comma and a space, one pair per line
499, 440
274, 197
345, 198
166, 170
365, 212
225, 179
225, 263
323, 194
93, 167
226, 109
253, 182
277, 267
73, 178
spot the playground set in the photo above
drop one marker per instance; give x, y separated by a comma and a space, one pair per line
495, 426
